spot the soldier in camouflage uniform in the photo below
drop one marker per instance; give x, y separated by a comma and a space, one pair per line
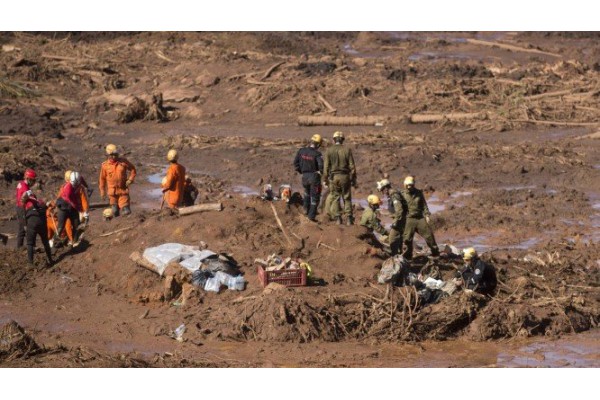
369, 217
398, 209
417, 219
340, 174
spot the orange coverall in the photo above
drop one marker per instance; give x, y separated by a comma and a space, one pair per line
113, 178
174, 186
52, 217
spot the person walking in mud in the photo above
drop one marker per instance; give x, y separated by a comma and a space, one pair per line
340, 176
23, 186
174, 182
116, 176
476, 275
398, 209
35, 218
417, 219
69, 206
309, 163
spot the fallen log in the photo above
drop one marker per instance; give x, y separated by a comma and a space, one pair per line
270, 70
137, 258
557, 123
326, 104
511, 47
200, 208
549, 94
309, 120
430, 118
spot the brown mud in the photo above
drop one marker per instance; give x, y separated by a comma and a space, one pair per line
522, 185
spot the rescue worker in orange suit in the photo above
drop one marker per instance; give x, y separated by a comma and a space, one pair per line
114, 181
69, 207
174, 182
23, 186
35, 216
190, 192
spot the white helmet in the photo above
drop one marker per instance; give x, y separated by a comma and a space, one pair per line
75, 178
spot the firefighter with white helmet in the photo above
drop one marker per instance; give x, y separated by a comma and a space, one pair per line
309, 163
116, 176
417, 219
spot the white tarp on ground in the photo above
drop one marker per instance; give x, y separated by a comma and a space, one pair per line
189, 257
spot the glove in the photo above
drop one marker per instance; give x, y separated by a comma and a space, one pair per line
129, 182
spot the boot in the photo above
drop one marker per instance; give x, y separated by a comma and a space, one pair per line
115, 210
350, 220
126, 210
339, 221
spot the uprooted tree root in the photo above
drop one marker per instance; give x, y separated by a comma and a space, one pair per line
15, 343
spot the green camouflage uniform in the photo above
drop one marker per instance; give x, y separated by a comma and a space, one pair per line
340, 173
398, 209
415, 222
369, 220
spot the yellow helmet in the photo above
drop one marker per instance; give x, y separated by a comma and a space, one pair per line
373, 199
469, 253
383, 184
111, 149
338, 134
107, 213
409, 180
316, 138
172, 155
68, 176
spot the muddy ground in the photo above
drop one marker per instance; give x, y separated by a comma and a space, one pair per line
518, 178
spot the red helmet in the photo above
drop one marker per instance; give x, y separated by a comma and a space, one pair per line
29, 173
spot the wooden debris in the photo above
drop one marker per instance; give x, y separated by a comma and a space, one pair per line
270, 70
511, 47
326, 104
280, 225
117, 231
557, 123
430, 118
163, 57
137, 258
255, 82
200, 208
371, 120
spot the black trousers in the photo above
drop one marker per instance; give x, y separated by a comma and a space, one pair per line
73, 215
312, 193
36, 225
21, 229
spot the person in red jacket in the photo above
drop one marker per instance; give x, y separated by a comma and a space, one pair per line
69, 206
23, 187
35, 216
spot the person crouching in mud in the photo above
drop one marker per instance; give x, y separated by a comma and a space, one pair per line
476, 275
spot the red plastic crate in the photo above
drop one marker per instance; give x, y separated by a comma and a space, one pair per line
285, 277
